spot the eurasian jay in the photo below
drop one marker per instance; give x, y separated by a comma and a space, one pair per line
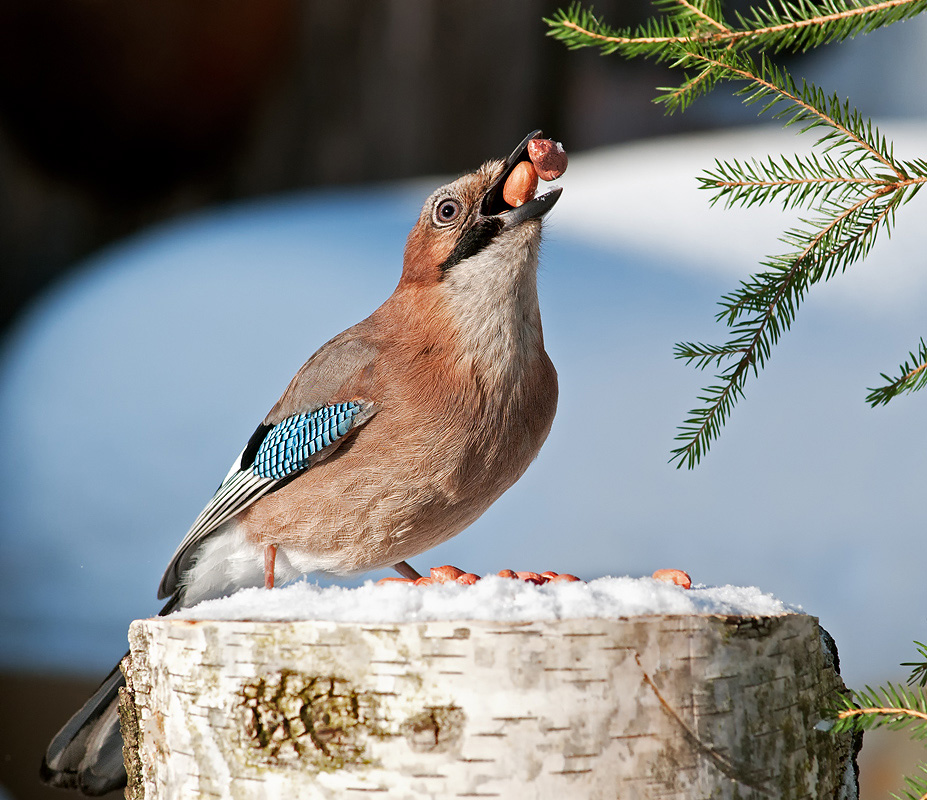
392, 438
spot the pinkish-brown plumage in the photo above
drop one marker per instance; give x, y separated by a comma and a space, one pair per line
461, 417
460, 395
447, 441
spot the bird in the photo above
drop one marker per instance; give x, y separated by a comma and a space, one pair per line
393, 437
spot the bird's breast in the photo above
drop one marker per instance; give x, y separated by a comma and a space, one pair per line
457, 425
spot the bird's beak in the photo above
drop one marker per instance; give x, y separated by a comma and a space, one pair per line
494, 205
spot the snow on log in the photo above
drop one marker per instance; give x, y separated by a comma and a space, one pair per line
656, 706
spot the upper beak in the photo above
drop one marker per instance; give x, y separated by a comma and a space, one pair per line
494, 206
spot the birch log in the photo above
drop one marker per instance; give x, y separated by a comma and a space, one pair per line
647, 707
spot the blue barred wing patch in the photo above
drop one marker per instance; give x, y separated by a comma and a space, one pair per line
290, 445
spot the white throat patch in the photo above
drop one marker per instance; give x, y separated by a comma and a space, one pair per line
493, 296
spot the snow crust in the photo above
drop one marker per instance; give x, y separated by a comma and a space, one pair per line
493, 598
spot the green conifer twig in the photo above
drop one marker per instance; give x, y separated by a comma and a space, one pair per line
918, 674
890, 706
913, 377
778, 25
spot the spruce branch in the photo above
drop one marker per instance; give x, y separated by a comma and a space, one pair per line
890, 706
799, 181
912, 377
761, 309
701, 83
778, 25
800, 27
805, 105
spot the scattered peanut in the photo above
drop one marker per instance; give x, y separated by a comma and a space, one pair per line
449, 574
676, 576
507, 573
446, 574
548, 157
521, 184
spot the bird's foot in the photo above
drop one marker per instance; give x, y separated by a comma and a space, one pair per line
449, 574
676, 576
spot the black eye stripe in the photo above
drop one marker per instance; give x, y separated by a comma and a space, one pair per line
474, 240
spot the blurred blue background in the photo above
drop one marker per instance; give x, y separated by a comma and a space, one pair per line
135, 365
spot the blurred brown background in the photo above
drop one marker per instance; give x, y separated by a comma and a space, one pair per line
116, 115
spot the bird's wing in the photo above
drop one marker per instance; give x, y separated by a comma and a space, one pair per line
301, 430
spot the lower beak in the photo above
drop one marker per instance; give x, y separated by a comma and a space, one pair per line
494, 206
533, 209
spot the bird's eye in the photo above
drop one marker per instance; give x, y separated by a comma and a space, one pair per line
447, 211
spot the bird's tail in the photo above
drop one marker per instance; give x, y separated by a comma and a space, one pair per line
86, 754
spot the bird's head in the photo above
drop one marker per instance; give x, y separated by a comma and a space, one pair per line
467, 226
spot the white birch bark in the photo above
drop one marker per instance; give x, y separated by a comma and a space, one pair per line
649, 707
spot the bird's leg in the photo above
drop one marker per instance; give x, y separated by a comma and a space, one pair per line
270, 559
406, 570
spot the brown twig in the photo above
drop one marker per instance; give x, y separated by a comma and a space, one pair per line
699, 13
804, 23
856, 712
797, 181
911, 374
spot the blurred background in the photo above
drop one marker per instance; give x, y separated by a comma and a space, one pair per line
174, 174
